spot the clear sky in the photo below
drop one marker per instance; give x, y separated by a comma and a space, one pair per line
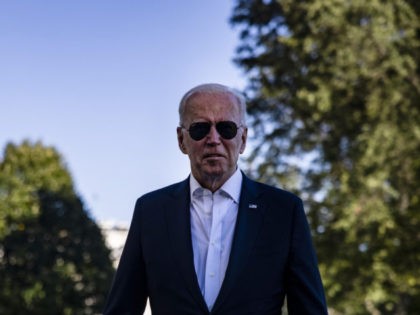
100, 80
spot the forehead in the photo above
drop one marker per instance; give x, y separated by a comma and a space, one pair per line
212, 106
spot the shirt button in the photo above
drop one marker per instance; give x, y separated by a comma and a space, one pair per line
211, 274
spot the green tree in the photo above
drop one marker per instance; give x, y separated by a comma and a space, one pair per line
53, 259
334, 89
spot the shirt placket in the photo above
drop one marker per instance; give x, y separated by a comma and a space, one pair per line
212, 278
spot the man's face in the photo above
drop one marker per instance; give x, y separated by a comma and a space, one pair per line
212, 158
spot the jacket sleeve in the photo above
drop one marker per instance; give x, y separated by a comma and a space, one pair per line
128, 294
304, 290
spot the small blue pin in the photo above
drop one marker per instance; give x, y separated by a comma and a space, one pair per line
252, 206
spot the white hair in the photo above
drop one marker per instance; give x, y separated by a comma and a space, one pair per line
213, 88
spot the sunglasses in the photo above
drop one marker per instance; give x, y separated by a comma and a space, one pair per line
226, 129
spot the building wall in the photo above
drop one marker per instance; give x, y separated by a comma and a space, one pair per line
115, 235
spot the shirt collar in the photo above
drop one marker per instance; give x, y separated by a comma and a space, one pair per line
232, 186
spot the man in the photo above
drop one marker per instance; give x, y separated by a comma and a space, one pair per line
218, 242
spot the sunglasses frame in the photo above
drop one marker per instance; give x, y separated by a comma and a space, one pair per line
209, 124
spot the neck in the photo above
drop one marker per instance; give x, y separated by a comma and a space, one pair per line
212, 183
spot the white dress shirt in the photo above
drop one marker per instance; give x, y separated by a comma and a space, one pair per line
213, 218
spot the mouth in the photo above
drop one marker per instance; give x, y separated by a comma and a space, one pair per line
213, 156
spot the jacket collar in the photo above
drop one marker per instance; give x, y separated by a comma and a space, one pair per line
248, 224
178, 224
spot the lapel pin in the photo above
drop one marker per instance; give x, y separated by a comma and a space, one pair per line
252, 206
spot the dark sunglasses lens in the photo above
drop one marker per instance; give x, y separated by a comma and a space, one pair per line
199, 130
227, 129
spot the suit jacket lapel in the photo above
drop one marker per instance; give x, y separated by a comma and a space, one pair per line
248, 223
179, 230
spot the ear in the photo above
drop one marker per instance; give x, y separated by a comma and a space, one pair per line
243, 139
181, 144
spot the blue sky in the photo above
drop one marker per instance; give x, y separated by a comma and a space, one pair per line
101, 82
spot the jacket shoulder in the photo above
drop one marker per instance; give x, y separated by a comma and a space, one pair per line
165, 192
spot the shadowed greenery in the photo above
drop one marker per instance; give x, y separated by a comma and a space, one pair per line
53, 259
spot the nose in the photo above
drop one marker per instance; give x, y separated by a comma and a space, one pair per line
213, 136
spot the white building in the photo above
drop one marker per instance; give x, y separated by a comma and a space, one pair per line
115, 235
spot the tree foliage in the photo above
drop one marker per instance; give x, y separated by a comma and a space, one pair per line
53, 259
334, 89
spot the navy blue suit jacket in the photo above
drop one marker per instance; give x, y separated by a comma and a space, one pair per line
272, 257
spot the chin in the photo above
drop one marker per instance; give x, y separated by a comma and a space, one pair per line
215, 172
